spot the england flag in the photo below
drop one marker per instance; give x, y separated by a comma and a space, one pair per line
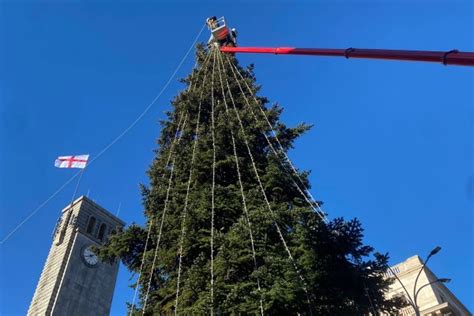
79, 161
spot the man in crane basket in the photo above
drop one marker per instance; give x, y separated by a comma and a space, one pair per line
220, 33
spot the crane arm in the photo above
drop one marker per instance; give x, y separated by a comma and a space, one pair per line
452, 57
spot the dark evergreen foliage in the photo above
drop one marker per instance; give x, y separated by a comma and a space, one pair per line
343, 275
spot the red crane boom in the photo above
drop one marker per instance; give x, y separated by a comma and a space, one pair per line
452, 57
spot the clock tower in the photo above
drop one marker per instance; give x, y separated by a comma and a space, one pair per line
74, 281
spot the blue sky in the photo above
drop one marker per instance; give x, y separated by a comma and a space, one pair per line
392, 142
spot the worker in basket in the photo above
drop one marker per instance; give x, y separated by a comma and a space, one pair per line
211, 22
220, 33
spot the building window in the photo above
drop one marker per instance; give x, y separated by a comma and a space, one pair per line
58, 225
390, 273
91, 225
109, 233
101, 233
72, 220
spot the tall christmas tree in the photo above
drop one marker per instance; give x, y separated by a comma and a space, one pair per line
231, 227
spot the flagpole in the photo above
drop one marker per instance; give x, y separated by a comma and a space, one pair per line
72, 202
118, 209
77, 185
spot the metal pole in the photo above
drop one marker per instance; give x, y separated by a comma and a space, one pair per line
416, 280
410, 300
427, 284
432, 253
370, 300
77, 186
451, 57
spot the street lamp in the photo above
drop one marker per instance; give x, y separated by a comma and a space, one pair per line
442, 280
413, 301
435, 251
432, 253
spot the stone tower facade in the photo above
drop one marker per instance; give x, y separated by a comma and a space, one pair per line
74, 281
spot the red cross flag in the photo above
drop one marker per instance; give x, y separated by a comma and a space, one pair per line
79, 161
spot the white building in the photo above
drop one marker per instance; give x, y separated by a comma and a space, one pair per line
433, 299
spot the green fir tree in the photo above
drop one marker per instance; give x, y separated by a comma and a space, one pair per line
330, 272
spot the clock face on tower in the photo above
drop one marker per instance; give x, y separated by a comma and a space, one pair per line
89, 257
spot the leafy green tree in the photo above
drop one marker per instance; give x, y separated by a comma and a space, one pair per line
331, 271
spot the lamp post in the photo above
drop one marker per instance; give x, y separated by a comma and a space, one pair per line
431, 254
442, 280
412, 300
